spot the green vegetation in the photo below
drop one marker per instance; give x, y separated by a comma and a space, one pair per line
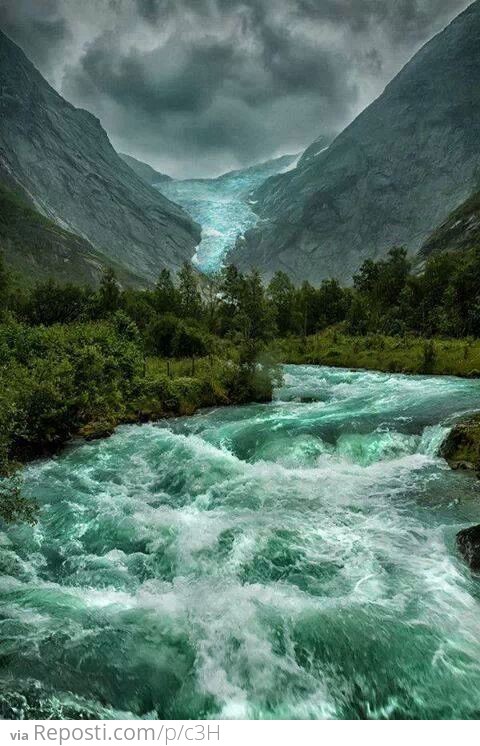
391, 319
388, 298
37, 248
459, 232
75, 360
402, 354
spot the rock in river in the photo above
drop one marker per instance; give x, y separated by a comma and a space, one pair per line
468, 543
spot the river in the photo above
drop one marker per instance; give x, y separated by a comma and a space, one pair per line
290, 560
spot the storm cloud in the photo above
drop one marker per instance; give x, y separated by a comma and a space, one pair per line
196, 87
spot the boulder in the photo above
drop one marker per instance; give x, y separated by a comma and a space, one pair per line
468, 544
461, 448
97, 430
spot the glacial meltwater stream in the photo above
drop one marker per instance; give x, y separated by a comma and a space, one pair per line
291, 560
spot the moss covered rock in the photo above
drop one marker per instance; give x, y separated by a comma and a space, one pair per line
462, 446
97, 430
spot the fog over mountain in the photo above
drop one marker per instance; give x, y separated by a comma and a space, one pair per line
200, 87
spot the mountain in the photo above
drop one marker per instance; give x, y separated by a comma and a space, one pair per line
316, 149
223, 206
36, 248
144, 171
460, 232
63, 160
397, 171
243, 180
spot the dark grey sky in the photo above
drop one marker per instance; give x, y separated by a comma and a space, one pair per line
197, 87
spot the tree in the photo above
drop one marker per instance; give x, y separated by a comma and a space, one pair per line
109, 293
189, 342
161, 334
256, 314
211, 302
52, 303
394, 274
189, 294
281, 292
230, 291
306, 307
332, 302
165, 296
140, 306
358, 318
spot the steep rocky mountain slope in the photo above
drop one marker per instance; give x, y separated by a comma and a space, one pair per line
460, 232
144, 171
36, 248
63, 160
394, 174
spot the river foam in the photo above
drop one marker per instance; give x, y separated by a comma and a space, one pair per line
287, 560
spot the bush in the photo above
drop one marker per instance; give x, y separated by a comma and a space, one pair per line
55, 379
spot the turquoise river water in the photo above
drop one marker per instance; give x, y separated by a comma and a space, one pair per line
291, 560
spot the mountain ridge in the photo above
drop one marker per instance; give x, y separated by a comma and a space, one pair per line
395, 172
36, 248
146, 172
62, 159
459, 232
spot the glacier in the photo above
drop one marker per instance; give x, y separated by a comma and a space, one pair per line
222, 207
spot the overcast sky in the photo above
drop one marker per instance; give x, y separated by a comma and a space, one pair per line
197, 87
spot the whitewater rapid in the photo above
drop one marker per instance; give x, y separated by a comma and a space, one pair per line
290, 560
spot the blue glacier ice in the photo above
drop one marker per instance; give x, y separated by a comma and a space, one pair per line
222, 206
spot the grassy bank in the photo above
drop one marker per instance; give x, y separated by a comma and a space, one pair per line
86, 378
408, 354
177, 387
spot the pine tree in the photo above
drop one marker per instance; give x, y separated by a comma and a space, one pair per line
109, 293
165, 297
189, 294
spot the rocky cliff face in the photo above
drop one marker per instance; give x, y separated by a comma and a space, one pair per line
63, 160
144, 171
389, 178
459, 232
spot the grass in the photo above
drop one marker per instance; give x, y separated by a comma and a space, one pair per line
409, 354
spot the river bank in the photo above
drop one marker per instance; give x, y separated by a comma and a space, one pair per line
41, 417
191, 392
178, 388
408, 354
62, 381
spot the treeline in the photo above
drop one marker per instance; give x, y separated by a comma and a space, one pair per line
388, 298
183, 316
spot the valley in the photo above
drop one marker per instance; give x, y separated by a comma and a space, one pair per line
223, 206
239, 413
